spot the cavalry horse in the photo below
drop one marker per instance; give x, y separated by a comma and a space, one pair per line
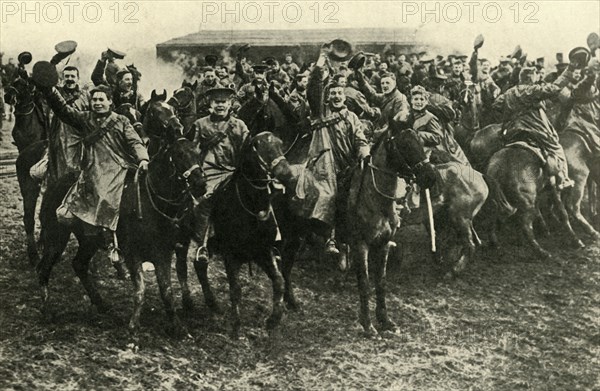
30, 137
145, 230
583, 164
245, 226
184, 102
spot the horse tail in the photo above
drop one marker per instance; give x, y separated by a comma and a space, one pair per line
498, 198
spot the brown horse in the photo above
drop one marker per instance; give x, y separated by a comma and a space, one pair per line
172, 173
583, 164
30, 135
521, 176
184, 102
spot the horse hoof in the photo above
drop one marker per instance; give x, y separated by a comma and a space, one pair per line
188, 304
543, 254
214, 307
293, 305
578, 244
388, 325
369, 331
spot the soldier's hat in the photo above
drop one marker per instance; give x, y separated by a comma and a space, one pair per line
260, 68
220, 93
44, 74
456, 60
421, 54
504, 60
439, 58
357, 61
340, 50
119, 55
211, 59
482, 60
24, 58
427, 60
539, 63
579, 55
593, 41
66, 47
269, 61
517, 52
559, 58
121, 72
462, 57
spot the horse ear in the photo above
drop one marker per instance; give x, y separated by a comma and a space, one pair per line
163, 96
183, 83
153, 95
195, 85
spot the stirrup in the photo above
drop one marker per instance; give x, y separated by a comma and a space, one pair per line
331, 247
114, 254
201, 254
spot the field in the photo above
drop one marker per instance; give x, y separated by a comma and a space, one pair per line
509, 322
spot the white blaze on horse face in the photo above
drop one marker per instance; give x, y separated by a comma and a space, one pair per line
100, 103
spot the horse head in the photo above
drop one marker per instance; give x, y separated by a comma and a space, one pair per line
268, 150
406, 155
185, 158
161, 122
183, 99
20, 93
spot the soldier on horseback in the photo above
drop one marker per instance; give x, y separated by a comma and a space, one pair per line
433, 136
338, 133
220, 138
524, 119
111, 148
124, 88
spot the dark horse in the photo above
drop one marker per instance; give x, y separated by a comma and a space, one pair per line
372, 219
145, 230
30, 135
184, 102
245, 226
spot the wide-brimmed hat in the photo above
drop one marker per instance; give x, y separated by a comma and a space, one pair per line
340, 50
24, 58
44, 74
579, 55
357, 61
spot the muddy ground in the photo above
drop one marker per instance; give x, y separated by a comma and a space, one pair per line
510, 322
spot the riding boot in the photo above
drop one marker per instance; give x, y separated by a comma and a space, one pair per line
110, 241
201, 227
331, 246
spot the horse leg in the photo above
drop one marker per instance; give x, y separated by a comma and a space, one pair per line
81, 263
465, 236
30, 190
564, 220
380, 255
526, 219
572, 199
290, 252
269, 266
52, 251
163, 277
139, 288
182, 275
360, 253
232, 268
201, 268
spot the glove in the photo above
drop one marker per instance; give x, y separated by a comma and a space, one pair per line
143, 166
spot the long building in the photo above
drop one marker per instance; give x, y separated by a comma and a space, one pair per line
302, 44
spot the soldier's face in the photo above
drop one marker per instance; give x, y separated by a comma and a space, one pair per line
383, 67
485, 66
387, 85
221, 73
259, 75
70, 78
418, 102
303, 82
126, 82
457, 69
577, 74
220, 107
288, 59
342, 81
209, 77
100, 103
337, 97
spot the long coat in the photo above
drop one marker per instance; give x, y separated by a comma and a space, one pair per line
220, 141
390, 104
111, 147
434, 137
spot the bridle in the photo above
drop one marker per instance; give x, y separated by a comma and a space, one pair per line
180, 199
16, 100
179, 106
409, 176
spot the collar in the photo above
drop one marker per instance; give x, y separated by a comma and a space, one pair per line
213, 118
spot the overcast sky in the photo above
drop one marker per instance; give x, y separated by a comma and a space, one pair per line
542, 28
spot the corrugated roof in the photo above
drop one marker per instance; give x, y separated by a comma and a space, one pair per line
294, 37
